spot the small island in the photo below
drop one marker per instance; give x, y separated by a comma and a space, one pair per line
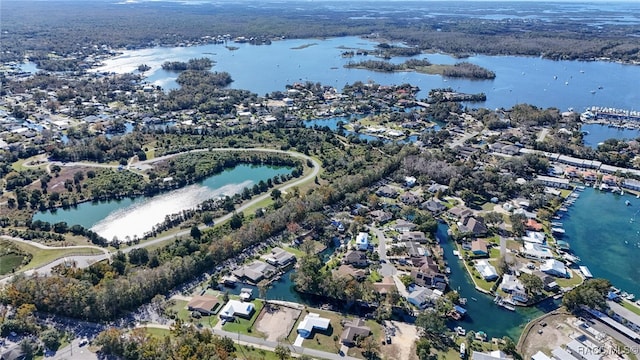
459, 70
193, 64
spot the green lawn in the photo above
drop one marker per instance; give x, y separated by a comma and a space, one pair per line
494, 253
250, 352
181, 310
321, 341
245, 326
575, 280
44, 256
375, 276
631, 307
157, 332
9, 262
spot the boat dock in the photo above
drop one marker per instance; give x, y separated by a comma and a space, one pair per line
585, 271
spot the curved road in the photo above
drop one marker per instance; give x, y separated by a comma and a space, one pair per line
86, 260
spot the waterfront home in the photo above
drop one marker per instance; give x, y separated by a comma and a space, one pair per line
631, 184
459, 213
534, 237
494, 355
473, 226
486, 270
571, 171
255, 271
352, 329
312, 322
417, 236
422, 297
355, 258
362, 241
532, 224
555, 268
553, 181
403, 226
428, 276
609, 180
347, 271
479, 248
279, 257
536, 251
235, 308
512, 285
205, 304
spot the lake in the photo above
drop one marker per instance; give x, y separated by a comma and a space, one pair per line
135, 216
266, 68
597, 133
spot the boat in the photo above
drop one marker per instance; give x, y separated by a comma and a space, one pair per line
447, 270
557, 230
556, 224
474, 299
627, 202
462, 301
585, 271
460, 331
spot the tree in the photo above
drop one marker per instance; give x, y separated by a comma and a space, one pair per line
276, 194
51, 339
532, 284
236, 221
282, 352
371, 348
592, 293
508, 346
195, 232
431, 324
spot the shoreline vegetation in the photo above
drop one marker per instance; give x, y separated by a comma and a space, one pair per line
303, 46
424, 66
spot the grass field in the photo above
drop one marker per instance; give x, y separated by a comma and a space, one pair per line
321, 340
631, 307
245, 326
44, 256
9, 262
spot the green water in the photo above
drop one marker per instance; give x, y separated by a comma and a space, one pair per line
605, 234
135, 216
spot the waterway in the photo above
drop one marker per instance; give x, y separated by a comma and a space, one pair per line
135, 216
605, 234
266, 68
482, 313
597, 133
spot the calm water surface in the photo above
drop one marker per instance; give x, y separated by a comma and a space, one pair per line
598, 133
129, 217
267, 68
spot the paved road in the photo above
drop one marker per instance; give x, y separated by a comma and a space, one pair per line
386, 269
85, 261
271, 345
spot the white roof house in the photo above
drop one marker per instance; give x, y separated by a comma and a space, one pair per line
362, 241
486, 270
540, 356
536, 251
494, 355
236, 308
312, 322
534, 237
554, 267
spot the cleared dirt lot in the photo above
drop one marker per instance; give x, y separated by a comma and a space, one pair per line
402, 343
555, 333
275, 321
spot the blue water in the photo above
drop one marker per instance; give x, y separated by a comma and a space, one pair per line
482, 313
263, 69
598, 133
135, 216
605, 234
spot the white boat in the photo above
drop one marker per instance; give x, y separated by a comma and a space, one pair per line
627, 202
460, 331
557, 230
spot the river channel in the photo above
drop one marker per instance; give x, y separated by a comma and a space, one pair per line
134, 216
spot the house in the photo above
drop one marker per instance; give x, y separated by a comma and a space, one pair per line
494, 355
417, 236
352, 329
13, 353
385, 286
279, 257
554, 267
540, 356
479, 248
553, 181
422, 297
532, 224
586, 350
410, 181
536, 251
255, 271
459, 213
473, 225
356, 258
433, 206
362, 241
205, 304
511, 285
346, 271
534, 237
435, 187
428, 276
409, 198
387, 191
310, 323
235, 308
380, 216
486, 270
404, 226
